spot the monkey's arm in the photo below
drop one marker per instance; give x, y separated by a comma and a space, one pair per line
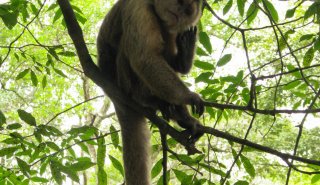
186, 43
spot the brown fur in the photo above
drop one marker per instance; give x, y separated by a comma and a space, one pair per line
138, 51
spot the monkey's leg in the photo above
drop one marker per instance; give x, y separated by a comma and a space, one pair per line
136, 146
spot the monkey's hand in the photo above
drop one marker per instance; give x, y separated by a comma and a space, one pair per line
197, 104
167, 110
193, 131
186, 40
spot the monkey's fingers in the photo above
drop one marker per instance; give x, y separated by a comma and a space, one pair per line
200, 108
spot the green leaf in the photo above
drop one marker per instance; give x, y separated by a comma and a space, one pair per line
273, 12
34, 9
52, 6
234, 154
52, 145
81, 165
78, 130
203, 65
317, 44
156, 169
57, 15
117, 165
315, 179
182, 176
114, 136
44, 82
27, 117
204, 77
84, 147
69, 172
160, 181
2, 118
227, 7
14, 126
77, 9
67, 53
311, 10
201, 52
53, 130
80, 18
224, 60
241, 4
34, 78
292, 85
290, 13
241, 183
8, 151
101, 155
56, 172
306, 37
4, 9
24, 167
252, 12
248, 166
308, 57
22, 74
43, 167
10, 19
205, 41
39, 179
59, 72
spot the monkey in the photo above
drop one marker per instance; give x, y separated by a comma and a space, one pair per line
142, 45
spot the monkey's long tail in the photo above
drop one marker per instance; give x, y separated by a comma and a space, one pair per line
136, 147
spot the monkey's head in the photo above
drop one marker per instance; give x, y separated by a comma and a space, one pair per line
178, 15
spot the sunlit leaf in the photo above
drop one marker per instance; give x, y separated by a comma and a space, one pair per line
14, 126
27, 117
248, 166
101, 155
22, 74
117, 164
241, 4
156, 169
290, 13
57, 15
306, 37
224, 60
114, 136
2, 118
81, 165
315, 178
44, 82
308, 57
56, 172
34, 78
203, 65
271, 9
8, 151
317, 44
205, 41
24, 167
227, 7
241, 183
252, 12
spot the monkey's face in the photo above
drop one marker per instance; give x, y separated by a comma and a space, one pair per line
178, 15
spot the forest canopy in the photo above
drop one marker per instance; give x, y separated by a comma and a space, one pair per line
256, 67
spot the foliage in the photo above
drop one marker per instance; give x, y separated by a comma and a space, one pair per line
55, 126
